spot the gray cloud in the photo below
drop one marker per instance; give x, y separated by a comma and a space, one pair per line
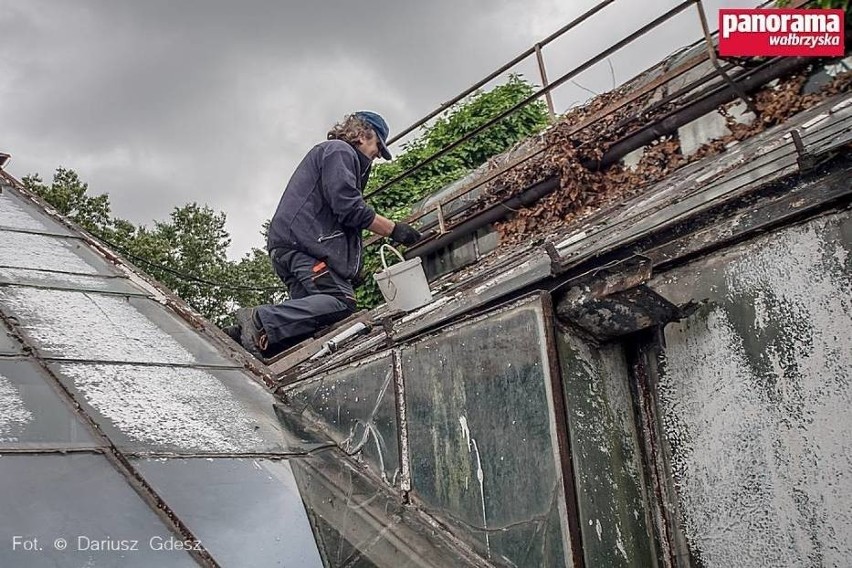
161, 103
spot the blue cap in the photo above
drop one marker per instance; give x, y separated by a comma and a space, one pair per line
380, 126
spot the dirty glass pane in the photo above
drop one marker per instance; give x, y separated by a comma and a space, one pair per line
359, 521
483, 439
64, 280
356, 406
26, 250
92, 326
246, 512
176, 409
755, 396
83, 500
32, 414
8, 344
15, 213
611, 495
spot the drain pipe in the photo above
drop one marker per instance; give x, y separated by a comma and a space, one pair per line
670, 124
490, 215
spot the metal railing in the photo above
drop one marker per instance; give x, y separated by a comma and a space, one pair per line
546, 90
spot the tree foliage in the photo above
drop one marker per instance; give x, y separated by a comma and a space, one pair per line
465, 117
187, 253
68, 195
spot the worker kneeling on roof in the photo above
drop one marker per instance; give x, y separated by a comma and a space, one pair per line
314, 238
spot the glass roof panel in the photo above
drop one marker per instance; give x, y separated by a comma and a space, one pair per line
15, 213
27, 250
32, 412
246, 512
360, 522
90, 326
356, 406
144, 408
483, 438
49, 279
79, 498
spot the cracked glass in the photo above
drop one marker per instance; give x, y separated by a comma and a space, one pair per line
359, 521
356, 406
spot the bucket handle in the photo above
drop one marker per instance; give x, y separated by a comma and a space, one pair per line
382, 254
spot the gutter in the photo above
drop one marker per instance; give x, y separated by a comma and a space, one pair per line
748, 81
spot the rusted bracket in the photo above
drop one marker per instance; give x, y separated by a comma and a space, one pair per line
555, 259
442, 226
805, 159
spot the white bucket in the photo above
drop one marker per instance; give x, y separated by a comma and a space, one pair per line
403, 285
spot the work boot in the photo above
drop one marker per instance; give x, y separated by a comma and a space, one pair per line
252, 335
233, 331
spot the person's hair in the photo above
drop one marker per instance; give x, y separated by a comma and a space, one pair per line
351, 129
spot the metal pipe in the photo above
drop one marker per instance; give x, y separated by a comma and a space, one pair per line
670, 124
493, 213
570, 25
566, 77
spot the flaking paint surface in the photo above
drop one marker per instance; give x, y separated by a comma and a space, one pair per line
91, 326
14, 216
756, 396
187, 409
14, 415
25, 250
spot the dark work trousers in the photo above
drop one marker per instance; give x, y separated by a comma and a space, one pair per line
318, 297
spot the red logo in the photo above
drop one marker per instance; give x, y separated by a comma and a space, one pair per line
798, 33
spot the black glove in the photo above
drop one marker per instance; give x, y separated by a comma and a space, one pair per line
405, 234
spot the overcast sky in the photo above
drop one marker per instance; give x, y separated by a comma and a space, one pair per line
164, 102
